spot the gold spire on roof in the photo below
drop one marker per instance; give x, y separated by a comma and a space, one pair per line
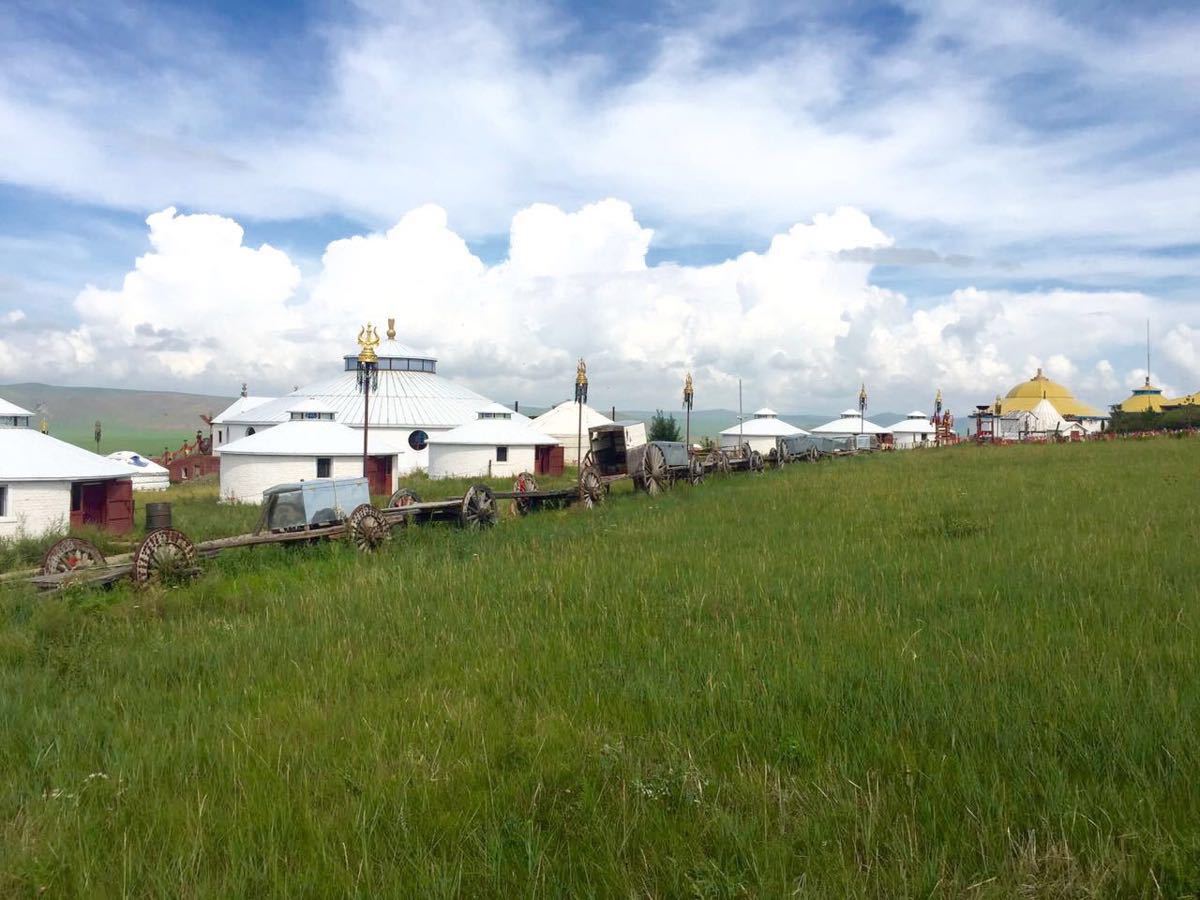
391, 332
368, 340
581, 373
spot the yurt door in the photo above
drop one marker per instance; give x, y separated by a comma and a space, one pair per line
379, 475
118, 506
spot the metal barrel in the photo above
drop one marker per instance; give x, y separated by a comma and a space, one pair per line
158, 515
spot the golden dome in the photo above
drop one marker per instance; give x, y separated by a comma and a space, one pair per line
1147, 398
1026, 395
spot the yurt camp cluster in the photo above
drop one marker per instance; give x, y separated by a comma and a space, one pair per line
419, 419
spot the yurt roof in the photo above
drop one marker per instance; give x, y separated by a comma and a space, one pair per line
28, 455
493, 433
850, 411
564, 419
308, 438
915, 414
764, 426
311, 405
1027, 394
765, 412
914, 424
11, 409
850, 425
238, 407
138, 463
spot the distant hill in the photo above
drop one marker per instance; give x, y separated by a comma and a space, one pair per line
145, 421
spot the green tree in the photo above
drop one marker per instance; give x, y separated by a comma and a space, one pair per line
664, 428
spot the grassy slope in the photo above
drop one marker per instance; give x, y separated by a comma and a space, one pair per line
903, 675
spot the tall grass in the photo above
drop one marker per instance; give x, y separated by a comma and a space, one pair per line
969, 672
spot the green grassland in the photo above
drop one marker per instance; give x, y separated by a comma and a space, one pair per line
968, 672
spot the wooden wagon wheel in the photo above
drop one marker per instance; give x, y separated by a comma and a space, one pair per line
722, 461
591, 487
589, 459
778, 457
656, 476
695, 471
478, 507
367, 528
165, 555
525, 484
69, 554
756, 461
403, 497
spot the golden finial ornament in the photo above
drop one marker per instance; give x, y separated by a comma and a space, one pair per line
368, 340
688, 391
862, 395
581, 373
938, 398
391, 332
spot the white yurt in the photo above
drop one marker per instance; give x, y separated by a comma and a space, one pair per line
48, 485
228, 425
759, 431
495, 445
562, 423
914, 430
310, 444
850, 423
147, 474
411, 402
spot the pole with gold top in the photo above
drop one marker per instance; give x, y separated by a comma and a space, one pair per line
368, 378
689, 395
862, 406
581, 392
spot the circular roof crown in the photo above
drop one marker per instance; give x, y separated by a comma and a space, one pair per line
1040, 386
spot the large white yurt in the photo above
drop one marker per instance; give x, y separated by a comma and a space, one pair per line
562, 423
494, 445
914, 430
309, 445
759, 431
147, 474
849, 424
411, 402
48, 485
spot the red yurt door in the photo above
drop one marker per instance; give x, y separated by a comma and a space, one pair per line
379, 475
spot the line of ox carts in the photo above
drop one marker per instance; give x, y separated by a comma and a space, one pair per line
315, 509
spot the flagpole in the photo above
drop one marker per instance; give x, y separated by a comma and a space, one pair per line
581, 386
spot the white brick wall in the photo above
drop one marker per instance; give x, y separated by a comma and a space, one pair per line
456, 460
36, 507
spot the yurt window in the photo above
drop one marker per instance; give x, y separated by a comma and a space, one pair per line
324, 467
418, 439
249, 431
3, 500
501, 454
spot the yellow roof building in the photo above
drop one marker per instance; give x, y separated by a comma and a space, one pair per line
1147, 398
1189, 400
1026, 395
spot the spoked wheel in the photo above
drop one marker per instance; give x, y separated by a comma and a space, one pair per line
478, 508
591, 488
720, 461
778, 458
695, 471
756, 461
367, 528
403, 497
69, 555
525, 484
165, 555
656, 476
589, 459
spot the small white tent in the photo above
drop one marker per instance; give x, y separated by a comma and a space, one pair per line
914, 430
494, 445
147, 474
759, 431
562, 423
1046, 419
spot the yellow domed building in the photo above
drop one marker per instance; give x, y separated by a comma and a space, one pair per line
1028, 396
1147, 398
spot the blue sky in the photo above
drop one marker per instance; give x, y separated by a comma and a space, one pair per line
1020, 151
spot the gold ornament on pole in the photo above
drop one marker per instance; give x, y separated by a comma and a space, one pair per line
391, 332
368, 340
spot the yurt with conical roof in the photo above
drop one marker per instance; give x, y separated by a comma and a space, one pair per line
760, 431
147, 474
410, 403
851, 423
310, 444
1146, 398
914, 430
561, 422
48, 485
498, 444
